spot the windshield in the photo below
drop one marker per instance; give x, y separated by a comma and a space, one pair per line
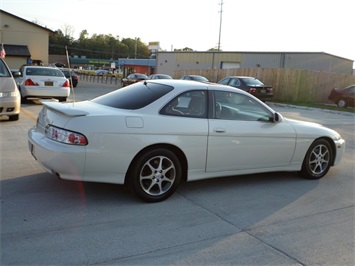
4, 72
135, 96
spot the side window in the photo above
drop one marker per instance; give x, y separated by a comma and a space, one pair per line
236, 106
234, 83
188, 104
224, 81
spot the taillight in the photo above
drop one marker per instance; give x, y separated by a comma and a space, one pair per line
29, 82
65, 136
252, 90
271, 90
66, 84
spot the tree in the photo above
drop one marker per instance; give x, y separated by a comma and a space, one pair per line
58, 42
97, 46
186, 49
68, 31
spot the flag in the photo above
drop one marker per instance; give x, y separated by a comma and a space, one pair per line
2, 53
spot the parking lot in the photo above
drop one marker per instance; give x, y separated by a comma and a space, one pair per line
263, 219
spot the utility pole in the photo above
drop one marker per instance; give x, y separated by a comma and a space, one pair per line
220, 25
135, 48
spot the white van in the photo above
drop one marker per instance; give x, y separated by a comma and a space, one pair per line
10, 98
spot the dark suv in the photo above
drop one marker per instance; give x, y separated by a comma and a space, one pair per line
73, 75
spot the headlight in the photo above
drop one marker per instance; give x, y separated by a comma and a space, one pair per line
65, 136
9, 94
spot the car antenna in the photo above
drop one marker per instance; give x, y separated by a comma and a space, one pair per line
71, 80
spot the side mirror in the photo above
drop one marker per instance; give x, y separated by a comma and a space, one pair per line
277, 117
16, 74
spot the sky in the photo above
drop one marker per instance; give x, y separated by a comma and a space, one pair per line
243, 26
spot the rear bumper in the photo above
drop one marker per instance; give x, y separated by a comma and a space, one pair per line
65, 161
45, 92
263, 95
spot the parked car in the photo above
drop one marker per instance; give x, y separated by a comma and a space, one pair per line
249, 84
10, 99
103, 72
58, 64
43, 82
70, 75
176, 131
343, 97
195, 78
133, 78
159, 76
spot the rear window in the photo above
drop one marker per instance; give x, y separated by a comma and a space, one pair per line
253, 81
135, 96
36, 71
66, 73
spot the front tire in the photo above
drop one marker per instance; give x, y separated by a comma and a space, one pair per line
14, 117
318, 160
155, 175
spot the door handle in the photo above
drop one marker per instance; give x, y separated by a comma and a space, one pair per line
219, 130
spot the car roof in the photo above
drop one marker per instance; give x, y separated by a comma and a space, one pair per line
241, 77
183, 85
26, 66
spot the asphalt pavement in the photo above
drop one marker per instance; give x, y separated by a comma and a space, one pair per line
264, 219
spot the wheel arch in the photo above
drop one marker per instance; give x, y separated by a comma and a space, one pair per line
179, 153
332, 146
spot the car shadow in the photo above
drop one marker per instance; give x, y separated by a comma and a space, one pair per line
273, 189
247, 199
52, 188
213, 210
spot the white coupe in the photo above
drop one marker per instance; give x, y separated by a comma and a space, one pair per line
154, 134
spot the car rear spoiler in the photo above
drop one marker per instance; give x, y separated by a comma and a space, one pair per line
63, 108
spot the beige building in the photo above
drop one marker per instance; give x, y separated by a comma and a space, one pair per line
24, 41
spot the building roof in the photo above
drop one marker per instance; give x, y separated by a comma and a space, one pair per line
17, 50
26, 21
251, 52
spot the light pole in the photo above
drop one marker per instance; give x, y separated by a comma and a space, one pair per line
220, 26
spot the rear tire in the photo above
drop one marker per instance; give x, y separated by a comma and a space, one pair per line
155, 175
341, 103
318, 160
24, 100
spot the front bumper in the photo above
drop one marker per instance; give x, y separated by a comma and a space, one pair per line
339, 150
10, 105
